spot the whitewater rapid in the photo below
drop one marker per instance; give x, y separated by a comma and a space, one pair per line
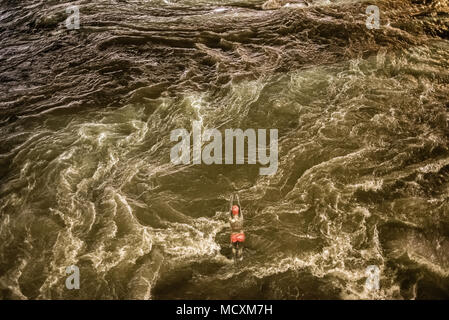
86, 177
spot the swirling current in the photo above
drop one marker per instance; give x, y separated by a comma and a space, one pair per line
85, 171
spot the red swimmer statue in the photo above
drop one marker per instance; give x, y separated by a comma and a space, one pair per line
237, 234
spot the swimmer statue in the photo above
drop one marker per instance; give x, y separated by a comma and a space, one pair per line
236, 223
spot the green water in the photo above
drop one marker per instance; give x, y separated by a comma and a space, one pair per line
86, 177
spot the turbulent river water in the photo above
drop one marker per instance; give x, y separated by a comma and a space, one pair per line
85, 171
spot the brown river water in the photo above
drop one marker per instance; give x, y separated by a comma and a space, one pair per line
85, 171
